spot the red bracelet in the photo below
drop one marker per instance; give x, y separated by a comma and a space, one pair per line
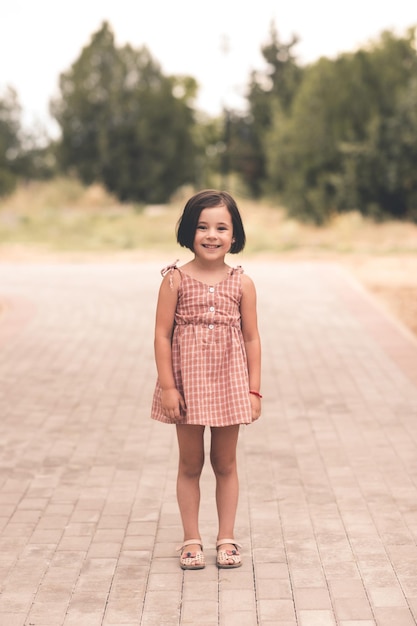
256, 393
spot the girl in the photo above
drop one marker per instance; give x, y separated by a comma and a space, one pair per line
208, 357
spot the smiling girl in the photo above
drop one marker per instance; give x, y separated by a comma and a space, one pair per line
208, 358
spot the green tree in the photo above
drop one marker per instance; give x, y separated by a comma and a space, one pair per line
9, 140
351, 135
269, 91
124, 123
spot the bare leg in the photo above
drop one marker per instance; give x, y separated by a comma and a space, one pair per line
191, 461
223, 459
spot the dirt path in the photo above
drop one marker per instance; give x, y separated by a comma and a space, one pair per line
393, 280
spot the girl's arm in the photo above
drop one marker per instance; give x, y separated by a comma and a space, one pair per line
172, 401
252, 341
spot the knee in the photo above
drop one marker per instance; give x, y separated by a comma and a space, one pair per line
223, 467
191, 468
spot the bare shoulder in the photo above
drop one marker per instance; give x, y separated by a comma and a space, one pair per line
247, 283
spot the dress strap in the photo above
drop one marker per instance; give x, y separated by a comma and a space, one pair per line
170, 268
237, 270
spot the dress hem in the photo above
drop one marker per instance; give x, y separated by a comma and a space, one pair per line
156, 419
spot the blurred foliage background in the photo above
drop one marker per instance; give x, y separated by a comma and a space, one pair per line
335, 137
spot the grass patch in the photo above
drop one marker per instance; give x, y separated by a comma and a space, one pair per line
63, 215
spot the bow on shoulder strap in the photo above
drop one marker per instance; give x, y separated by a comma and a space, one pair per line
169, 268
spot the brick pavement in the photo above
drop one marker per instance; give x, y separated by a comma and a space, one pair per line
88, 517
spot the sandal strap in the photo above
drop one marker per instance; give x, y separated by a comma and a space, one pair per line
189, 542
220, 542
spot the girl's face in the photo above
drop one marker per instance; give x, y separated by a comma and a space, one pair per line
214, 233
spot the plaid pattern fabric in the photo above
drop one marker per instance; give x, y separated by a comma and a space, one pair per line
208, 353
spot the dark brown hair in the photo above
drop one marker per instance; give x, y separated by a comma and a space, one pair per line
209, 198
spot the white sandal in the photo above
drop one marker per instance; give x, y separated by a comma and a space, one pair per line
192, 560
225, 556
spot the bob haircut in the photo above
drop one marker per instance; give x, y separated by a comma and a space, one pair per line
209, 198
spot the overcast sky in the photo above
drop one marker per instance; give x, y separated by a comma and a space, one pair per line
41, 38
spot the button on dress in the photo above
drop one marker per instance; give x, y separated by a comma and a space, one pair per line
208, 353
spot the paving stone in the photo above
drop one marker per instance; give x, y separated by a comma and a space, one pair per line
88, 515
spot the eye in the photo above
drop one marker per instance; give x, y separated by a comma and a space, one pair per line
201, 227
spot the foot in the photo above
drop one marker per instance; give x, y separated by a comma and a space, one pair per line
192, 555
228, 555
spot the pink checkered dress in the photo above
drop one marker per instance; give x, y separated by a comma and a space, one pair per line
208, 353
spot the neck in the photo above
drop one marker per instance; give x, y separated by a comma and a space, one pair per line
202, 264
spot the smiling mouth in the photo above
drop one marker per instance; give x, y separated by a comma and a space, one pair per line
211, 246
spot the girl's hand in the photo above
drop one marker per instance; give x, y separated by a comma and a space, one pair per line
256, 406
173, 405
